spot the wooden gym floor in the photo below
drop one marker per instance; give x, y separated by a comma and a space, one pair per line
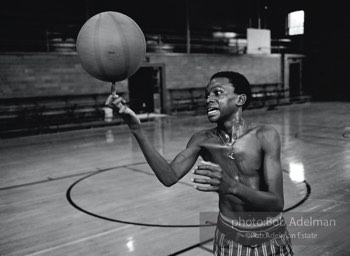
90, 192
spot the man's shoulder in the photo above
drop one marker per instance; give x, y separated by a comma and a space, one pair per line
204, 134
266, 132
200, 137
265, 128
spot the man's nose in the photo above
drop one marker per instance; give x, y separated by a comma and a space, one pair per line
209, 99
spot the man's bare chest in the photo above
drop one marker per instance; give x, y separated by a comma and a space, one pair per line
245, 154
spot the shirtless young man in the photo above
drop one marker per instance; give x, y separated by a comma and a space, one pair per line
241, 163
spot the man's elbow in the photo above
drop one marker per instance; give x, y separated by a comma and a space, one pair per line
279, 208
170, 181
279, 205
276, 203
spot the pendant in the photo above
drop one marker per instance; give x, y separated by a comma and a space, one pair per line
231, 156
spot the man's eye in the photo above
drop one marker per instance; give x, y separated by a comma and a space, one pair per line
214, 93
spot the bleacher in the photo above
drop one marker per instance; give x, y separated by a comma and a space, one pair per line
187, 99
48, 114
25, 116
267, 95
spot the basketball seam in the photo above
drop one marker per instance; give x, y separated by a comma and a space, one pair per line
96, 47
125, 48
139, 30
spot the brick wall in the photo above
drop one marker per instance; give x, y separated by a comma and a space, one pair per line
46, 74
194, 70
60, 74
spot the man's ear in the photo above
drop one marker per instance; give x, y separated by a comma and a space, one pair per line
242, 98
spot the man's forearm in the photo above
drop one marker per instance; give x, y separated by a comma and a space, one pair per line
158, 164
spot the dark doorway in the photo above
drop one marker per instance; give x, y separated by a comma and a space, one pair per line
141, 91
295, 79
146, 89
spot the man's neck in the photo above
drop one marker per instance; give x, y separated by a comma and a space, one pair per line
232, 128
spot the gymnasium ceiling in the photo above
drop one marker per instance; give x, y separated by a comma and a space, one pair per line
153, 15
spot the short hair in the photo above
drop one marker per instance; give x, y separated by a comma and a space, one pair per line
240, 84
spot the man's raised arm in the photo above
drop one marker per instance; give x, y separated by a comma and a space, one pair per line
167, 173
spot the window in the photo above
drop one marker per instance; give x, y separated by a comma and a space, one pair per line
295, 23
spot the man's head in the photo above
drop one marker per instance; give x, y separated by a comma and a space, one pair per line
228, 93
240, 84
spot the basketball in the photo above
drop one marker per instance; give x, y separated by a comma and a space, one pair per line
111, 46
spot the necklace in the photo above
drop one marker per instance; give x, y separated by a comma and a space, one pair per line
231, 144
235, 134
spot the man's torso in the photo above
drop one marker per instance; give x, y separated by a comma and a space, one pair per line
246, 167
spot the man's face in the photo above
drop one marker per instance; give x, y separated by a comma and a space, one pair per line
221, 99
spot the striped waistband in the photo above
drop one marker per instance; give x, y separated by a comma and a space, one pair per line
253, 234
252, 224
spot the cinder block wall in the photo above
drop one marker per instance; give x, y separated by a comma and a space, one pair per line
194, 70
43, 74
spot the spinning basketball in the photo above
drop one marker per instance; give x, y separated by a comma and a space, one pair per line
111, 46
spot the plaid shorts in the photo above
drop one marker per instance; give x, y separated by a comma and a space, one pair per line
232, 240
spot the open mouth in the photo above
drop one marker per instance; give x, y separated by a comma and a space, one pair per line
213, 111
